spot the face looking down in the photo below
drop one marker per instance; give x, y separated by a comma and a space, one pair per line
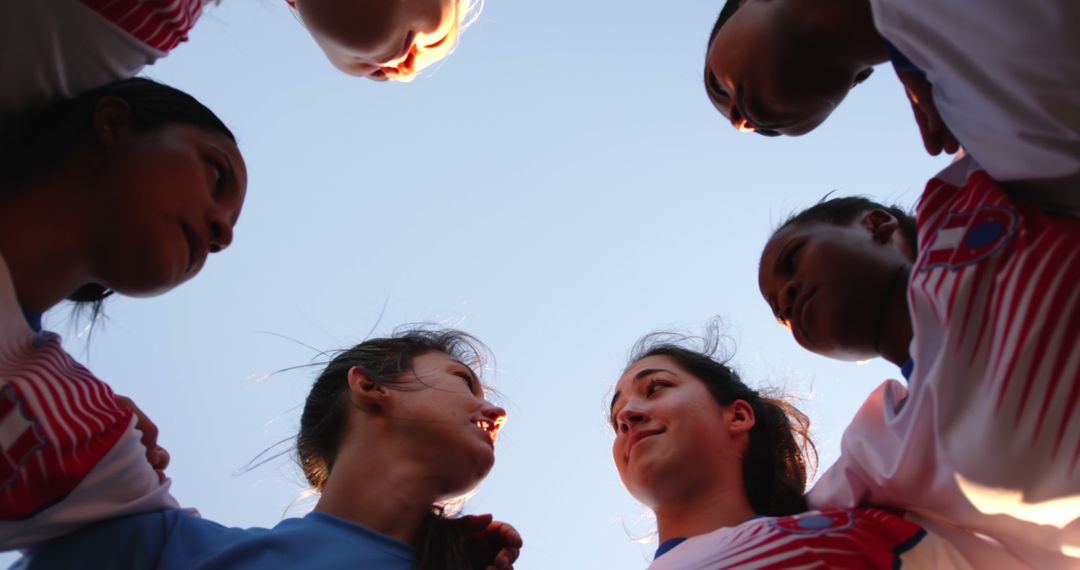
765, 77
172, 194
380, 39
831, 284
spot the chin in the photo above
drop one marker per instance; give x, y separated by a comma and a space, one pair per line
143, 287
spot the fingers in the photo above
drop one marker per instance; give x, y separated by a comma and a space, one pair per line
509, 536
155, 454
927, 129
474, 523
935, 133
163, 459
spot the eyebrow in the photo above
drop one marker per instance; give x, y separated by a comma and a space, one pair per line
457, 365
777, 267
778, 262
231, 174
637, 377
713, 85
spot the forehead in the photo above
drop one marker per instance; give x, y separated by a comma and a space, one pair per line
658, 362
437, 362
220, 142
438, 365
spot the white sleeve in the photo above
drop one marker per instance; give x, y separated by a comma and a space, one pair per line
122, 483
56, 49
889, 456
69, 455
1006, 80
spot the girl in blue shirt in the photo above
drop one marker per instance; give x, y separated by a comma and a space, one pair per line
392, 428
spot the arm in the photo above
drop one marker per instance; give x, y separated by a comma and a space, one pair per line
71, 452
77, 45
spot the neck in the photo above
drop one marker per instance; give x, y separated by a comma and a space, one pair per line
723, 506
895, 333
849, 27
385, 494
43, 233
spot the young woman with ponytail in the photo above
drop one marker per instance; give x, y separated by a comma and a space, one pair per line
724, 469
392, 429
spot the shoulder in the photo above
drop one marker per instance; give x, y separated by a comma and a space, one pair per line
159, 24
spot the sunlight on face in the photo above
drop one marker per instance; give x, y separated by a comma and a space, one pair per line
385, 40
427, 48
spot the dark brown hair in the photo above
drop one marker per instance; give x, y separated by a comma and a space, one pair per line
385, 361
780, 449
37, 141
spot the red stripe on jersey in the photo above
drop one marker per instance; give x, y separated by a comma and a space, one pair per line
160, 24
60, 422
1059, 296
1023, 287
1021, 322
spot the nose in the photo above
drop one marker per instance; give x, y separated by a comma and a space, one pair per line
407, 67
221, 231
738, 120
630, 415
496, 414
786, 300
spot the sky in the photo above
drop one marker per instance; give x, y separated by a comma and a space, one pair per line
559, 186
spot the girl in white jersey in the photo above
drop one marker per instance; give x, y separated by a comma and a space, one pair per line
976, 300
82, 44
125, 189
724, 468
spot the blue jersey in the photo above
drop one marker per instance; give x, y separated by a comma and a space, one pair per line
174, 539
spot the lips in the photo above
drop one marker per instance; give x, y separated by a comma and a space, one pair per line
798, 321
490, 428
640, 435
196, 249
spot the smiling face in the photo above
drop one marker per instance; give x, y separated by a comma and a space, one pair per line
672, 438
831, 284
381, 39
443, 414
171, 196
768, 73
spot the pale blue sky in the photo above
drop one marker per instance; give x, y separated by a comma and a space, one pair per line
559, 186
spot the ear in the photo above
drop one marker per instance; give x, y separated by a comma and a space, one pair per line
862, 75
365, 393
740, 418
881, 225
112, 120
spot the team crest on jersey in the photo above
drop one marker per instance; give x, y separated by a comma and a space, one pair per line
19, 436
815, 522
964, 238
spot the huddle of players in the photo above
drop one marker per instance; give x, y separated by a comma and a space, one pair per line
973, 297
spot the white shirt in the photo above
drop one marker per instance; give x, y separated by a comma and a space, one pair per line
987, 434
57, 49
1006, 81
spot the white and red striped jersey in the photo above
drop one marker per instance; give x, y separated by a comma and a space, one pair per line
987, 434
864, 538
57, 49
69, 455
160, 24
